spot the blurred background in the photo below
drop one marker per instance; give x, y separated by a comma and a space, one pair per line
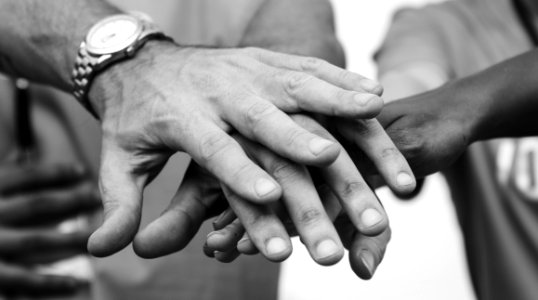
425, 259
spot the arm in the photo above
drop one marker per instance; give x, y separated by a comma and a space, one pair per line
40, 40
433, 129
502, 100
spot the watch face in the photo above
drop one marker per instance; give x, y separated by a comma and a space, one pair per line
113, 34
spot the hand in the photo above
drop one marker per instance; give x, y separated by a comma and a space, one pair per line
431, 130
305, 212
33, 199
171, 99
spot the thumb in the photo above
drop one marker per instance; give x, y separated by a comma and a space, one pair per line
121, 192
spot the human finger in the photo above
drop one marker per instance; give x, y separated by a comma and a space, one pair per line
225, 239
367, 252
218, 153
372, 139
246, 246
197, 198
302, 203
357, 199
225, 218
228, 256
260, 120
262, 225
321, 69
121, 190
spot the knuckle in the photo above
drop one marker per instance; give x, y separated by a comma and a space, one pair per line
284, 170
211, 145
366, 128
340, 94
389, 153
346, 76
311, 64
257, 113
310, 216
352, 188
294, 136
295, 82
241, 173
411, 145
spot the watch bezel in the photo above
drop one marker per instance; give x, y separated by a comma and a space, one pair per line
118, 46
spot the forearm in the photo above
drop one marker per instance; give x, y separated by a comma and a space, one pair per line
39, 39
302, 27
504, 98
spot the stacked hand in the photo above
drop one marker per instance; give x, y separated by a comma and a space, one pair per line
229, 109
266, 228
33, 201
431, 130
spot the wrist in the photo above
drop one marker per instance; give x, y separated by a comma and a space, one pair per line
473, 102
107, 87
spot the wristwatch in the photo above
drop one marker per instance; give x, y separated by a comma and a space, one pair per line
110, 40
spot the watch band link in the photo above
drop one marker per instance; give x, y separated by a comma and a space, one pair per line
82, 76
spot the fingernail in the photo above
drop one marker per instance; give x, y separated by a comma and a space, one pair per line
319, 145
276, 246
371, 217
264, 187
371, 86
404, 179
222, 219
368, 261
243, 240
213, 233
326, 248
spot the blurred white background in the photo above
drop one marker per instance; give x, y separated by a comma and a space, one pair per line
425, 259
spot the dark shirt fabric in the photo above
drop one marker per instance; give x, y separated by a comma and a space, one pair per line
495, 184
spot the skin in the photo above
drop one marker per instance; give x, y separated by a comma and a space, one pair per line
433, 129
301, 211
301, 202
158, 103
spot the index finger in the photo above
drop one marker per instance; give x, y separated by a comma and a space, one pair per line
322, 70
